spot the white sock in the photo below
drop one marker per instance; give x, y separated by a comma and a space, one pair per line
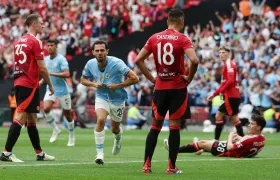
119, 135
7, 153
41, 153
71, 126
99, 141
51, 121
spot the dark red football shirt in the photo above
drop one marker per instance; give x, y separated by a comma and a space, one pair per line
168, 49
229, 87
27, 50
248, 146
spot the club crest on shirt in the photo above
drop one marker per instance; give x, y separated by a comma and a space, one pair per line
107, 75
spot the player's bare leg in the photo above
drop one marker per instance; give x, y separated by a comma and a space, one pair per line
174, 143
99, 134
35, 139
197, 147
117, 131
151, 142
237, 123
71, 126
50, 119
219, 124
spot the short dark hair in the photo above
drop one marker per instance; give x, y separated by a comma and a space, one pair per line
55, 41
259, 120
31, 19
224, 48
99, 42
175, 14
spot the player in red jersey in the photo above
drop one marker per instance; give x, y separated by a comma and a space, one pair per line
236, 146
29, 64
168, 48
230, 91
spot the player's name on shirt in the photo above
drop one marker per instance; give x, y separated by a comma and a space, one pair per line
258, 143
167, 36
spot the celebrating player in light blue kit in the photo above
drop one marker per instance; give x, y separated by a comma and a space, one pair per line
58, 69
106, 74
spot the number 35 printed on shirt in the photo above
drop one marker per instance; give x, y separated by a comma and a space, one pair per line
19, 51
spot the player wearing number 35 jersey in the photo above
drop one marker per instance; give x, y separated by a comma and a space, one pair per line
236, 146
168, 48
29, 64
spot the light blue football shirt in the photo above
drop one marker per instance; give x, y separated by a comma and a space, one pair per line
57, 65
114, 73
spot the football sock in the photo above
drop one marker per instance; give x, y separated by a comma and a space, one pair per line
119, 135
174, 143
13, 135
51, 121
71, 126
218, 130
99, 141
239, 128
34, 137
151, 142
189, 148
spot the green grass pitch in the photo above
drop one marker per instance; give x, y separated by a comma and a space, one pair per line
78, 162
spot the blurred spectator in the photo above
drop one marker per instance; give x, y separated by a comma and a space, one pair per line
135, 120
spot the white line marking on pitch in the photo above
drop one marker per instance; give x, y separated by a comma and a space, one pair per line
136, 161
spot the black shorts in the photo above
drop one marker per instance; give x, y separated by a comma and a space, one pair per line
28, 99
230, 106
188, 114
218, 148
172, 100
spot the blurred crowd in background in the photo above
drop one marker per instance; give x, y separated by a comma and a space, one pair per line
252, 30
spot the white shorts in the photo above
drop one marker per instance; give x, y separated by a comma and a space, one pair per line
65, 101
115, 111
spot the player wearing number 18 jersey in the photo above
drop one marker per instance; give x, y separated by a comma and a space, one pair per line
229, 90
29, 64
168, 48
236, 146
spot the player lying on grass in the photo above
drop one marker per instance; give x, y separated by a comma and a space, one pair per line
236, 146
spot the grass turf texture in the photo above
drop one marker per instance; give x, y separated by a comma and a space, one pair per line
78, 162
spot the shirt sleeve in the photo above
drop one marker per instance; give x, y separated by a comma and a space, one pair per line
86, 71
230, 80
64, 64
37, 48
186, 42
123, 68
148, 45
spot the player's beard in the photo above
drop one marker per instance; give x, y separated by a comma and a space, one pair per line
101, 58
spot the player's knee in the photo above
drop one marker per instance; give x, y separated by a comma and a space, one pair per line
100, 121
115, 130
47, 110
201, 143
219, 118
156, 127
174, 127
67, 113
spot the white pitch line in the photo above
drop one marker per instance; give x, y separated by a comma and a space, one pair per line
135, 161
